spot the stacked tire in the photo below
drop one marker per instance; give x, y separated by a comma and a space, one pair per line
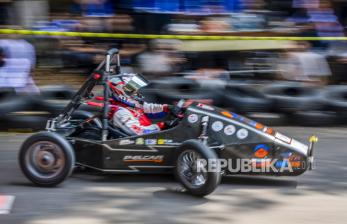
170, 90
301, 104
31, 112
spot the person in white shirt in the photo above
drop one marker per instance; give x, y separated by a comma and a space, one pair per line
20, 59
15, 73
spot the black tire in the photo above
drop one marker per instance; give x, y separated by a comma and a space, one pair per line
55, 107
173, 95
269, 119
170, 90
314, 118
293, 97
14, 104
23, 122
244, 99
335, 98
212, 178
57, 92
61, 146
6, 92
174, 83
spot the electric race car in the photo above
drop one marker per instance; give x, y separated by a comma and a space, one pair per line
200, 146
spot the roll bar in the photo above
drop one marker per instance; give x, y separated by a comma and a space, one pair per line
104, 69
107, 62
109, 56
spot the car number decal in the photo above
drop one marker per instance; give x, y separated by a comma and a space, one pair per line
217, 126
242, 134
229, 130
193, 118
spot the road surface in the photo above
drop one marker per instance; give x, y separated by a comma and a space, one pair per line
319, 196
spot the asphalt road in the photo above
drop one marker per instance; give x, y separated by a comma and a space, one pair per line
319, 196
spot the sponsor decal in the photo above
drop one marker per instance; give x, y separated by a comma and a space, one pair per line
217, 126
151, 141
140, 141
261, 151
193, 118
144, 158
286, 155
229, 130
206, 107
256, 125
164, 141
126, 142
283, 138
161, 141
168, 141
227, 114
268, 130
242, 134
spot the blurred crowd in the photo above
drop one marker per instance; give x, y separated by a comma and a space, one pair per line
292, 79
321, 62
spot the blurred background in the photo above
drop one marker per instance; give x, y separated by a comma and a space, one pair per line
277, 82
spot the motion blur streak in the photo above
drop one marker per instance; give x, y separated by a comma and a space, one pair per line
279, 63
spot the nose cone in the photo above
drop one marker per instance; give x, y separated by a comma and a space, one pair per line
292, 144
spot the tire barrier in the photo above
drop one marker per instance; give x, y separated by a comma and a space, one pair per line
23, 113
334, 98
57, 92
293, 97
269, 119
171, 90
26, 123
274, 105
314, 118
243, 99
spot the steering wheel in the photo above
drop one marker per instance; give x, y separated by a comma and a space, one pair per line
177, 112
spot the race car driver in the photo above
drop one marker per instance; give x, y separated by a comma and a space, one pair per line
131, 113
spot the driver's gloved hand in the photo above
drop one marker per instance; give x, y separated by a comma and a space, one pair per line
175, 110
152, 108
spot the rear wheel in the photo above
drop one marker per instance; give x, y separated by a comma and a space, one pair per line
192, 168
46, 159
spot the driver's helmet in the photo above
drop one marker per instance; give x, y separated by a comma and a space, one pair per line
128, 85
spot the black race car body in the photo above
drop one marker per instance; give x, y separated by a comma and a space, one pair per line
200, 145
230, 135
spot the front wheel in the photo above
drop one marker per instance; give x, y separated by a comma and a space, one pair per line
194, 168
46, 159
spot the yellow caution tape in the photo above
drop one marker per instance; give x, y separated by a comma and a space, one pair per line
161, 36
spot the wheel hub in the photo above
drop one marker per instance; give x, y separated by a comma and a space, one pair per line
45, 159
188, 164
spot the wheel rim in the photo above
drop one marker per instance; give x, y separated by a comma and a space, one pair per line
187, 169
45, 159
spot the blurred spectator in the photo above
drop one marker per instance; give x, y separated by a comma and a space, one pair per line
321, 16
18, 60
301, 64
15, 74
76, 53
17, 48
162, 59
